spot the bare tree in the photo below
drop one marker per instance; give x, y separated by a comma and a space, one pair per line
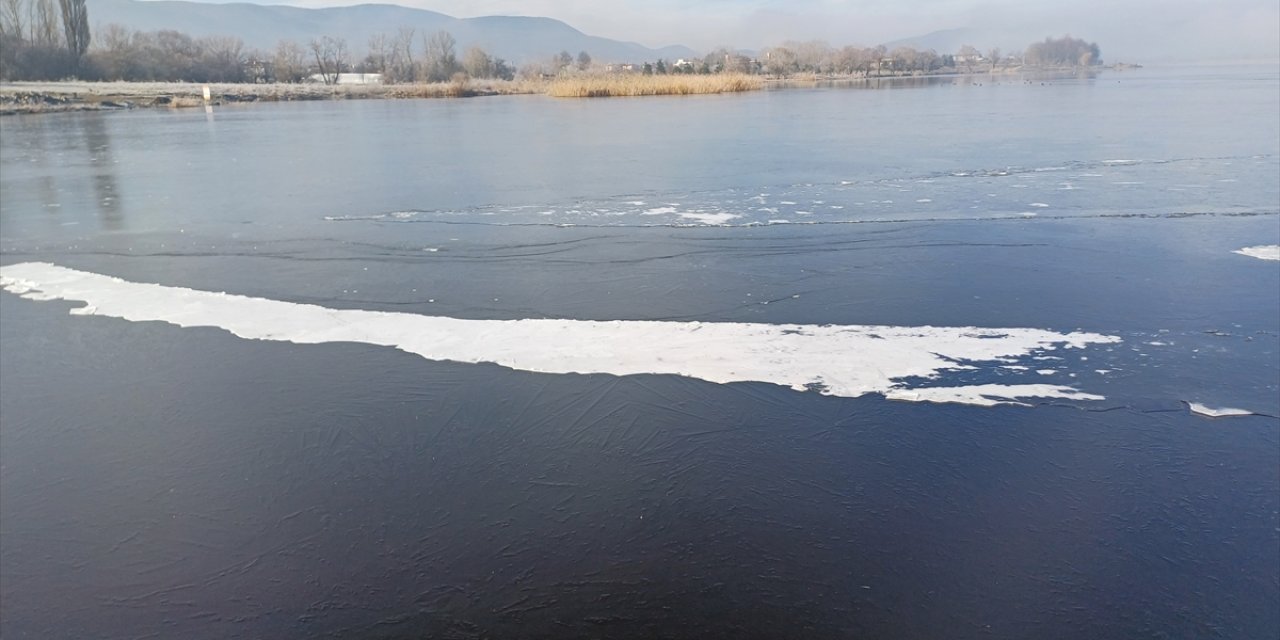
994, 55
44, 24
289, 62
331, 56
222, 59
848, 59
12, 19
780, 61
584, 61
562, 61
402, 66
115, 52
813, 56
176, 55
1065, 51
75, 27
478, 64
532, 71
440, 61
379, 54
968, 55
928, 61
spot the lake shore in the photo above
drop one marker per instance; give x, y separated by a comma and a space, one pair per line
54, 97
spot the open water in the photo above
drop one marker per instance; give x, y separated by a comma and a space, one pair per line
172, 479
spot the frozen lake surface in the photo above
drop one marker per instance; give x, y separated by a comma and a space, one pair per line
934, 360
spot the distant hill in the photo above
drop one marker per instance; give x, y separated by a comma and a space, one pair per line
517, 39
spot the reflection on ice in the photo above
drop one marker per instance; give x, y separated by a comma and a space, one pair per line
849, 360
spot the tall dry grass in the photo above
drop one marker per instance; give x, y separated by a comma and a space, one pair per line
461, 88
36, 97
604, 86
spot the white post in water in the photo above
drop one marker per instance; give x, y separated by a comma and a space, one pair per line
208, 108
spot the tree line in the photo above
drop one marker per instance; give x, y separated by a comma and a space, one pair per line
41, 40
819, 58
1064, 52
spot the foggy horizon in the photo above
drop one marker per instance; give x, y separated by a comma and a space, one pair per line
1143, 31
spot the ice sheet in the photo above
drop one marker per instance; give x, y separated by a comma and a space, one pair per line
840, 360
989, 394
709, 218
1224, 412
1262, 252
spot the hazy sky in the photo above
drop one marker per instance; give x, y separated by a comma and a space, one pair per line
1126, 28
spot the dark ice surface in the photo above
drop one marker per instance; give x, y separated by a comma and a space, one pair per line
167, 482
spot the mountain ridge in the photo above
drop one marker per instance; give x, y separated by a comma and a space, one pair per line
518, 39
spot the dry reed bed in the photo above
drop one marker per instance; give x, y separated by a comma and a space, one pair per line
463, 89
604, 86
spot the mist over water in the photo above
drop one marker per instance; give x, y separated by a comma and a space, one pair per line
308, 482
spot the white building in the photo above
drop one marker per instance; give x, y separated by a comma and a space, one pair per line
349, 78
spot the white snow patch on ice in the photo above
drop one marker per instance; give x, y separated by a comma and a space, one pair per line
987, 395
657, 211
710, 218
1262, 252
1038, 204
379, 216
839, 360
1225, 412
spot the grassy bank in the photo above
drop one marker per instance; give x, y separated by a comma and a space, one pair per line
603, 86
44, 97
